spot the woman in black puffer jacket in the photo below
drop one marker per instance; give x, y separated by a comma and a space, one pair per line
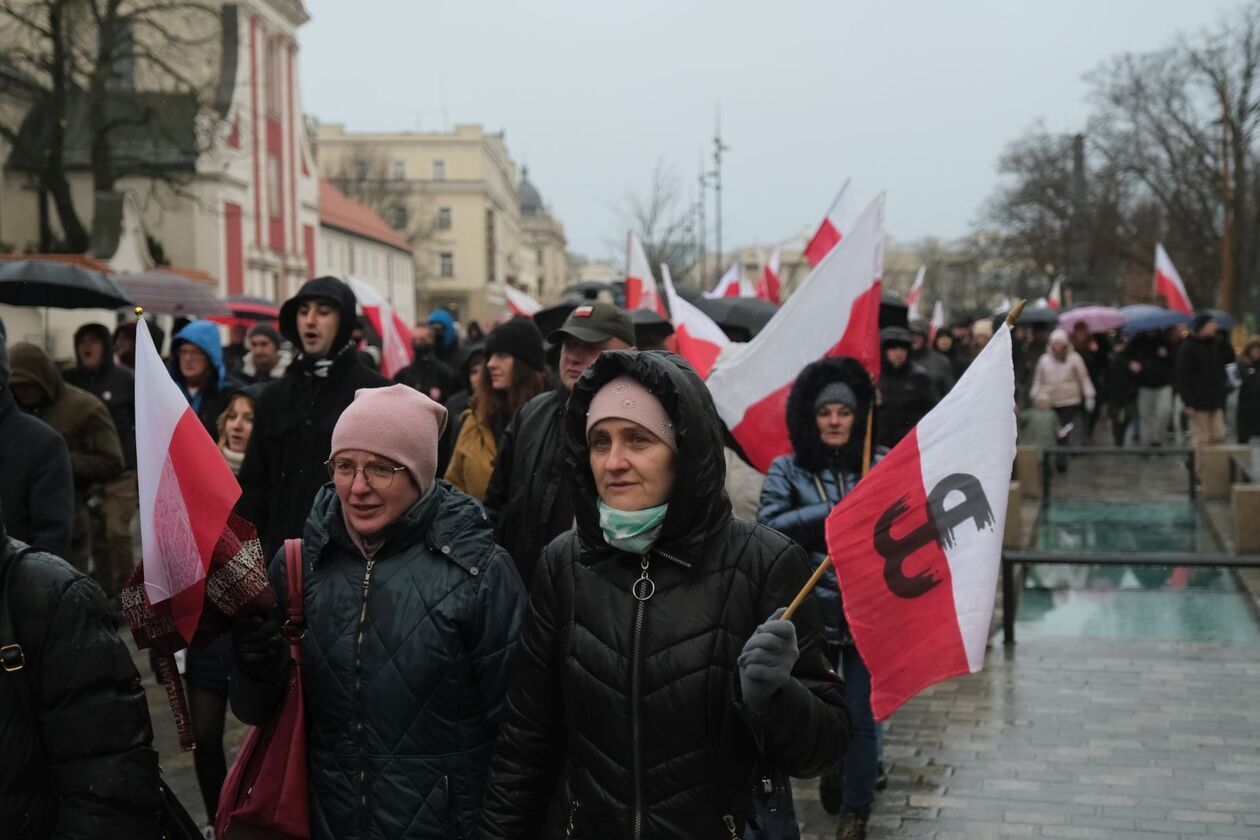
651, 691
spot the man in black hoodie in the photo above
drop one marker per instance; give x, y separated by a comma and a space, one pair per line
1203, 385
294, 420
906, 391
96, 373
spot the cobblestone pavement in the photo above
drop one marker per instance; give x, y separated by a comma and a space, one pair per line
1075, 739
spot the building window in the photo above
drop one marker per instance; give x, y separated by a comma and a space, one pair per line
398, 170
538, 255
444, 218
446, 264
491, 250
121, 48
398, 217
361, 170
274, 188
439, 170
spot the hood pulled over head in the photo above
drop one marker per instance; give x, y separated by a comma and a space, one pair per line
332, 290
698, 514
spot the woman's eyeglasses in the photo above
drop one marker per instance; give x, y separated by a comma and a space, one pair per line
377, 476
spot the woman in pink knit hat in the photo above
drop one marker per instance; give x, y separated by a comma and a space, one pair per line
656, 685
412, 613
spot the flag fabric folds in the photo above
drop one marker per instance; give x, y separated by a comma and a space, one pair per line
186, 492
395, 335
912, 296
520, 303
696, 337
834, 312
769, 287
917, 545
834, 227
1168, 283
641, 291
732, 284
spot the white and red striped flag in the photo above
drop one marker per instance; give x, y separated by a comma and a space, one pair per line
187, 492
519, 302
917, 545
916, 290
834, 227
1054, 300
641, 292
938, 321
697, 338
835, 312
732, 284
1168, 282
395, 335
769, 288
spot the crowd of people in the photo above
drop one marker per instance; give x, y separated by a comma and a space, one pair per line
530, 609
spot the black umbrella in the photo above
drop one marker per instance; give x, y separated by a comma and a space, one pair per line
893, 311
551, 318
59, 285
650, 329
1222, 318
740, 315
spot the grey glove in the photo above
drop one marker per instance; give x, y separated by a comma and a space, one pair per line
765, 664
1089, 405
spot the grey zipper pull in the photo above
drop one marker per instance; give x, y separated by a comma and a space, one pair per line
643, 588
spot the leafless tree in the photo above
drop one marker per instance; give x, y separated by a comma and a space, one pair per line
124, 67
662, 221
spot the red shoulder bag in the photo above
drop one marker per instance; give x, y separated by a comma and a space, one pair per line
264, 795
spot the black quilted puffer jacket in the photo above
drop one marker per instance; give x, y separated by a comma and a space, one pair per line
624, 717
404, 669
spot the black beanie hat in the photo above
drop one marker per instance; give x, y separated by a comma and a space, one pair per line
1199, 322
520, 339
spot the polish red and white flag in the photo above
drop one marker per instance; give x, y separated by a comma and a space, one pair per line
917, 545
1168, 282
732, 284
835, 225
938, 321
1054, 300
916, 290
395, 335
769, 288
696, 337
187, 492
519, 302
834, 312
641, 292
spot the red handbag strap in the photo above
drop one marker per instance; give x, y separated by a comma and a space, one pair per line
295, 601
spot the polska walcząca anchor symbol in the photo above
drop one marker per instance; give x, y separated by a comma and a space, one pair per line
938, 527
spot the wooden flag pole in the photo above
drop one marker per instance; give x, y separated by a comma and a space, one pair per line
1011, 318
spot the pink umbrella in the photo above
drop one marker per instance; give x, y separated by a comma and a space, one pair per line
1099, 319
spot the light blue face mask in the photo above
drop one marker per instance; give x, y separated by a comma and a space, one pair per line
633, 531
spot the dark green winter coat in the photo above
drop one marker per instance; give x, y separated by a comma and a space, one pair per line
404, 668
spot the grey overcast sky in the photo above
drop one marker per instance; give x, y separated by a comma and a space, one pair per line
914, 97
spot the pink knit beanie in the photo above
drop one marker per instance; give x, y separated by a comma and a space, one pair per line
397, 422
625, 398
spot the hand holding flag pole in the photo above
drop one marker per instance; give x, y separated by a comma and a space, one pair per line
1011, 318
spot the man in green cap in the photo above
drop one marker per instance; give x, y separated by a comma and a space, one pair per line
528, 500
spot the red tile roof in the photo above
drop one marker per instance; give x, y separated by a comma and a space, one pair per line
338, 211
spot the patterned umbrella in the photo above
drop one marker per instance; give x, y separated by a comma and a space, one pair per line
1099, 319
167, 293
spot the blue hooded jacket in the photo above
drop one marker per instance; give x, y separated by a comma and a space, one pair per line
441, 316
211, 400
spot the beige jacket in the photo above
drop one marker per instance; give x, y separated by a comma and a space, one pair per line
1064, 383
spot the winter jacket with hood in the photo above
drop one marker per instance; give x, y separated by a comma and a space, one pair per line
1064, 383
624, 717
790, 499
95, 451
212, 398
404, 668
111, 384
529, 496
1151, 351
74, 722
1201, 378
1248, 400
36, 485
294, 420
906, 394
447, 350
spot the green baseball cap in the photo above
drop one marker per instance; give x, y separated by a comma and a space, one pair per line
595, 322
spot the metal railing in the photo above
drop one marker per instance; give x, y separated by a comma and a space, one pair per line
1080, 558
1049, 456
